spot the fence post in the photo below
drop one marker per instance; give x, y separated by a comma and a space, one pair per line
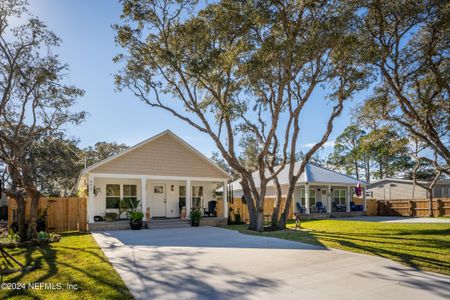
412, 208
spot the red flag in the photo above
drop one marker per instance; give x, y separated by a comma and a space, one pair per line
358, 190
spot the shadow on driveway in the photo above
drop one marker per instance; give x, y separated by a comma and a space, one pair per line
216, 263
201, 237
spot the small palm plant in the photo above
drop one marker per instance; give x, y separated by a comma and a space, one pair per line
195, 216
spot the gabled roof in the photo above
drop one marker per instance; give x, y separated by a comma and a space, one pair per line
149, 140
313, 174
399, 180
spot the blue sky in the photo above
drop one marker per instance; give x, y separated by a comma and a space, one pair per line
88, 47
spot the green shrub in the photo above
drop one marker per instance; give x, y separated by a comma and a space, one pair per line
10, 239
196, 215
136, 215
42, 236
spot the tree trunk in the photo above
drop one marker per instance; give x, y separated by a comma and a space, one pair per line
260, 215
277, 205
430, 203
367, 167
283, 217
32, 226
250, 204
357, 169
287, 206
20, 201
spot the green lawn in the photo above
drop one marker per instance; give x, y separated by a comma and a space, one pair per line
76, 259
423, 246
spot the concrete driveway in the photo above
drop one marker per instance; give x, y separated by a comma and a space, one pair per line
215, 263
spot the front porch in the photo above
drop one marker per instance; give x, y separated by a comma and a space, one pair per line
330, 200
331, 215
161, 197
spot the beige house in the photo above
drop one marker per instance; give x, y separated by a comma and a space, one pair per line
397, 189
162, 172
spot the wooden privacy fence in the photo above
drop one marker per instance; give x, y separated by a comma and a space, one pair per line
238, 206
414, 208
63, 214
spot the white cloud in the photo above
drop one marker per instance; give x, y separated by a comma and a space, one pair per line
328, 144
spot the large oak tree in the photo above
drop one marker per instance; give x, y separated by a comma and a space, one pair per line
408, 43
236, 68
35, 102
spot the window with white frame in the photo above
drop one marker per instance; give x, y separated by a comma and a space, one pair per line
197, 196
182, 195
158, 189
112, 195
130, 193
339, 196
312, 197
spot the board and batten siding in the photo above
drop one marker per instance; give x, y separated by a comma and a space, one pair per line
164, 156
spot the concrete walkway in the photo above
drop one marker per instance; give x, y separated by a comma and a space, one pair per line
215, 263
399, 219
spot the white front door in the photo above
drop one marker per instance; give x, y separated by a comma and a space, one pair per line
158, 200
323, 197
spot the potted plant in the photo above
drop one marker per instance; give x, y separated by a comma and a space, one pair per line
136, 217
195, 217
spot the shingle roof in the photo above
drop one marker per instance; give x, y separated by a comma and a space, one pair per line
313, 174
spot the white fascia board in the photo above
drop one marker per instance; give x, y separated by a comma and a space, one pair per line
156, 177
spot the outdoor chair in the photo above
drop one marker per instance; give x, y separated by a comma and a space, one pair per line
354, 207
211, 212
299, 207
320, 207
338, 207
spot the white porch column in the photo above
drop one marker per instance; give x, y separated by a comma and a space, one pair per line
329, 199
144, 196
349, 198
307, 207
364, 198
188, 198
225, 199
91, 199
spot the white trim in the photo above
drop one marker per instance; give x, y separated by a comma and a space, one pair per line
195, 151
329, 199
225, 199
156, 177
91, 198
188, 198
144, 197
307, 204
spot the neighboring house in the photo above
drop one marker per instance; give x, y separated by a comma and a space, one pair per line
334, 190
162, 172
393, 189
